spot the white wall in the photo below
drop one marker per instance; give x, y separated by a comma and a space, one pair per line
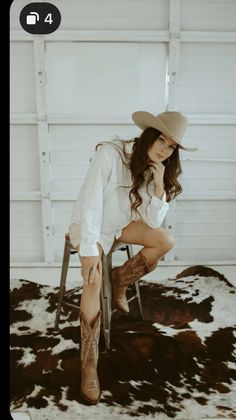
80, 85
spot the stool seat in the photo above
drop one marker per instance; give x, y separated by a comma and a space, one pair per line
106, 287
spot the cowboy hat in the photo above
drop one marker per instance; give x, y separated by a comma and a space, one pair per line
171, 123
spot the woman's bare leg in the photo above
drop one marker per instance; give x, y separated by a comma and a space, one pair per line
90, 298
156, 241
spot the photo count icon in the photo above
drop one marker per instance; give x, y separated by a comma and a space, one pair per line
40, 18
32, 18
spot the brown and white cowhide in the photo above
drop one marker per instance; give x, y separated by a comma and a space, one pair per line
177, 363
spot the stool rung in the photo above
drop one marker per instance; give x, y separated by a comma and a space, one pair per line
132, 298
71, 292
71, 304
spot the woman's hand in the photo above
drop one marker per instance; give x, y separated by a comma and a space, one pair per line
89, 268
158, 170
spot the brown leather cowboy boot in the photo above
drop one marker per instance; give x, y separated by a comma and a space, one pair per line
90, 387
132, 270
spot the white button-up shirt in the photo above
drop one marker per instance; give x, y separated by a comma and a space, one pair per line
103, 208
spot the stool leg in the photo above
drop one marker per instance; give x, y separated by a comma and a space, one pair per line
130, 254
65, 265
105, 298
139, 299
129, 251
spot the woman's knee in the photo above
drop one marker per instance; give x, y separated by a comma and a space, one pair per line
164, 239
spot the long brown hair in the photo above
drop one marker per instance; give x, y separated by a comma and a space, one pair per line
137, 163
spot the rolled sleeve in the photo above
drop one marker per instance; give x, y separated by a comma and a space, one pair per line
88, 247
156, 211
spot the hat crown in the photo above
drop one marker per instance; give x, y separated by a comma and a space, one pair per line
175, 122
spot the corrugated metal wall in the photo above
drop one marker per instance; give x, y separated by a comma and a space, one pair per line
80, 85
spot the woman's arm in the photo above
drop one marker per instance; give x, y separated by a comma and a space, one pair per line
156, 211
88, 209
158, 207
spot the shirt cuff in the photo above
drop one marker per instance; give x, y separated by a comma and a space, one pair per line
158, 202
88, 250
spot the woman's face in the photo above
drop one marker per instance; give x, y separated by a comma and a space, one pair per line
161, 149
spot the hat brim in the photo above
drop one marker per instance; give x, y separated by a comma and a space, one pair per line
145, 120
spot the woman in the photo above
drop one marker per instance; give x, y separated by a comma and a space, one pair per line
125, 198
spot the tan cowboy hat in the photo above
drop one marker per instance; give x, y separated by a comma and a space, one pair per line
171, 123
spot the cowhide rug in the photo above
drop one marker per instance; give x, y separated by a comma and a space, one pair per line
177, 363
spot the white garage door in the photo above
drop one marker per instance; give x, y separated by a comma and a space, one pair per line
80, 85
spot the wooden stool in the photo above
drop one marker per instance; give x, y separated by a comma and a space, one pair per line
106, 288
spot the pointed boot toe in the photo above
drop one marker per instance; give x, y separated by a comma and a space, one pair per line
90, 387
119, 295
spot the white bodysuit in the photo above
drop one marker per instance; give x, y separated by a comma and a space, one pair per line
103, 208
